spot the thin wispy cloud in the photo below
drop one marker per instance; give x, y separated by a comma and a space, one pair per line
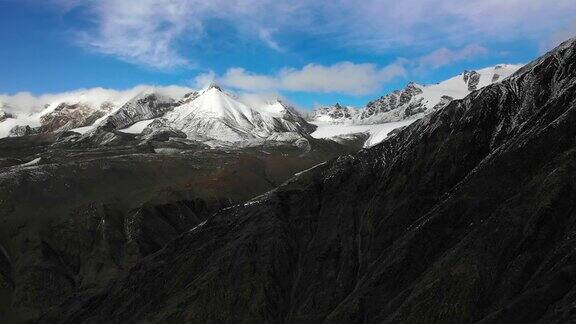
445, 56
562, 34
266, 36
343, 77
140, 31
150, 32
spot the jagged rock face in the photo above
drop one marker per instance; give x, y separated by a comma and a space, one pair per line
466, 215
408, 93
383, 104
444, 101
189, 97
18, 131
497, 72
146, 106
472, 78
334, 113
290, 120
4, 115
68, 116
404, 100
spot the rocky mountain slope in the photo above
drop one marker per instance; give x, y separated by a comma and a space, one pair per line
467, 215
146, 105
74, 216
4, 115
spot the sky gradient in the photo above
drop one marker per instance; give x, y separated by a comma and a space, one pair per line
309, 52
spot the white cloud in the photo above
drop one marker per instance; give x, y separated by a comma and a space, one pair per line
204, 79
140, 31
445, 56
559, 36
343, 77
266, 37
148, 32
242, 79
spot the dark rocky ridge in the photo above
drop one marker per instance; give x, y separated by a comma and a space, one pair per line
68, 116
18, 131
465, 216
4, 115
472, 78
142, 107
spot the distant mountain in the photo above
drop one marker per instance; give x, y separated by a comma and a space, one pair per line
66, 116
402, 107
209, 114
217, 114
78, 110
415, 100
335, 114
213, 114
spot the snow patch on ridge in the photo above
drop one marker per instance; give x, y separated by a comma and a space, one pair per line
377, 132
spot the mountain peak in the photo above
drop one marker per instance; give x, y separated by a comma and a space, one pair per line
214, 85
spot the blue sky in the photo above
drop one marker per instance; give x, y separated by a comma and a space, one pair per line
311, 52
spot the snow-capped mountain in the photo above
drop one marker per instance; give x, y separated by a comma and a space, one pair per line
209, 114
83, 110
216, 114
415, 100
401, 107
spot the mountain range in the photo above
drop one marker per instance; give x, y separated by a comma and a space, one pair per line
213, 114
401, 107
464, 216
415, 100
445, 203
210, 113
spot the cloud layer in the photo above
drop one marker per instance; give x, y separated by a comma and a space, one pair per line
150, 32
444, 56
343, 77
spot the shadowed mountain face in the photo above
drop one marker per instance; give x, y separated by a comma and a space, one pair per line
73, 217
466, 215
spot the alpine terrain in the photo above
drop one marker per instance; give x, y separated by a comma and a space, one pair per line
467, 215
99, 182
401, 107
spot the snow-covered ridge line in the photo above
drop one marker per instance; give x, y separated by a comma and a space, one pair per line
415, 100
402, 107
